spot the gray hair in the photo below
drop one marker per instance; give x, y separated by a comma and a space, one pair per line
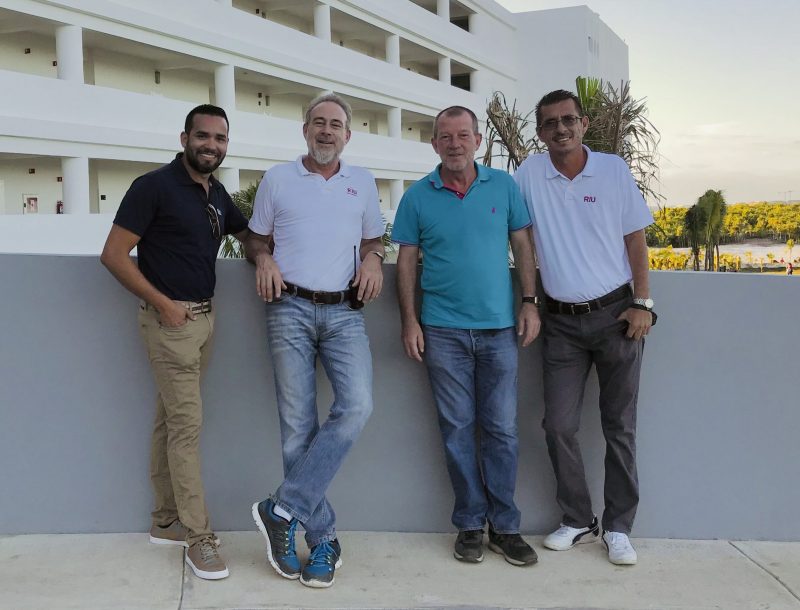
330, 97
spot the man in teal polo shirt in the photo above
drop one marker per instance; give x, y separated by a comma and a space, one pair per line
461, 216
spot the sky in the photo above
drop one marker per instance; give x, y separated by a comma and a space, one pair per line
722, 84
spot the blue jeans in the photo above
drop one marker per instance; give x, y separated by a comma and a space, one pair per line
298, 332
473, 375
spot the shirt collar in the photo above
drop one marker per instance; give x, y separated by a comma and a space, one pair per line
344, 168
435, 177
588, 169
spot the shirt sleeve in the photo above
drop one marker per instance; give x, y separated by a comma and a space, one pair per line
263, 219
138, 207
635, 213
518, 215
372, 224
235, 221
520, 178
405, 230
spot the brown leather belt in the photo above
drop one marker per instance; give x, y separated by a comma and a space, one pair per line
580, 309
318, 297
193, 306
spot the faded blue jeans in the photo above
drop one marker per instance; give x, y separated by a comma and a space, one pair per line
473, 376
297, 333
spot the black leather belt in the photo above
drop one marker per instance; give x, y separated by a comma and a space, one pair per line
318, 297
580, 309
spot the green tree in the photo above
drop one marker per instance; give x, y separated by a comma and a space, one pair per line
790, 247
242, 199
694, 226
713, 203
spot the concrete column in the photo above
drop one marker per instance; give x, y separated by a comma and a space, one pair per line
477, 82
395, 193
395, 123
444, 70
322, 22
393, 49
225, 88
443, 9
229, 176
69, 53
76, 185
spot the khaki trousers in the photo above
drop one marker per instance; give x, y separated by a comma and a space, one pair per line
178, 357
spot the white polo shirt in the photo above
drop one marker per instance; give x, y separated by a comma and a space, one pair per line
317, 222
579, 225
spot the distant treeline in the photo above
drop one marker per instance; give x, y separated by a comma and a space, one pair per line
742, 221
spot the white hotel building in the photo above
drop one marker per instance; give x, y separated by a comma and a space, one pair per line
94, 92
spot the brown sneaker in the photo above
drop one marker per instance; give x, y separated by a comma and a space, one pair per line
173, 534
203, 557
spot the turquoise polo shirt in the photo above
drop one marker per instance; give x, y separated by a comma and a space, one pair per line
465, 279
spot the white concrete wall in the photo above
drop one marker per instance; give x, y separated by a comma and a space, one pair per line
717, 428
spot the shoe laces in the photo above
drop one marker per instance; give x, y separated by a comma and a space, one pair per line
287, 539
322, 555
618, 541
208, 550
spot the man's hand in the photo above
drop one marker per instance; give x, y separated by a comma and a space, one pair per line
269, 282
369, 279
528, 323
639, 322
175, 314
413, 340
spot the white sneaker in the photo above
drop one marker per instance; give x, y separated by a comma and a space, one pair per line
619, 548
566, 537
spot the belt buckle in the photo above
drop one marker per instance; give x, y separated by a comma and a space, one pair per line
587, 306
314, 297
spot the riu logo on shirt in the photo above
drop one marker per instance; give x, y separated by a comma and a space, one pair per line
589, 199
351, 191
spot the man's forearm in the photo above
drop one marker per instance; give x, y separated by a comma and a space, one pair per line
407, 284
636, 246
371, 245
127, 273
522, 247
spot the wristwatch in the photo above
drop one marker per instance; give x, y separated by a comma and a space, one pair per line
531, 299
647, 304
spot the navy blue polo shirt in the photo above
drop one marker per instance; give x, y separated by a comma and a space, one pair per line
168, 211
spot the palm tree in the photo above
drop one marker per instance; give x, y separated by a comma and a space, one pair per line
618, 124
242, 199
714, 205
790, 247
694, 226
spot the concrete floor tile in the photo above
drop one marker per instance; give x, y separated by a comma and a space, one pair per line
780, 559
418, 571
95, 571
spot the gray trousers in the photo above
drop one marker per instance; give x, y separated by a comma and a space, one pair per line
571, 345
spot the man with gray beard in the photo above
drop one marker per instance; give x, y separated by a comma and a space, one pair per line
316, 243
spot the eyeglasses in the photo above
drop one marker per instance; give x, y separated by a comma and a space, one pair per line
567, 121
216, 230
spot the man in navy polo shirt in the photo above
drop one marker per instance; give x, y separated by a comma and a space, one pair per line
461, 218
588, 225
176, 217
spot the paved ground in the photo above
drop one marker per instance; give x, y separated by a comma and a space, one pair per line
104, 571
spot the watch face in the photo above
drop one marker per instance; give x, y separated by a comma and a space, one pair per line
649, 303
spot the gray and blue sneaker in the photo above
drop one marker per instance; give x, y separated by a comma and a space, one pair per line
322, 563
279, 534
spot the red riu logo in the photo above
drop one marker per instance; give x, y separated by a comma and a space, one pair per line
589, 199
352, 191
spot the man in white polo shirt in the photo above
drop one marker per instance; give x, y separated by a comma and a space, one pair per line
316, 242
588, 225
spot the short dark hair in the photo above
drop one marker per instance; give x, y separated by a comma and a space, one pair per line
554, 97
208, 109
454, 111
